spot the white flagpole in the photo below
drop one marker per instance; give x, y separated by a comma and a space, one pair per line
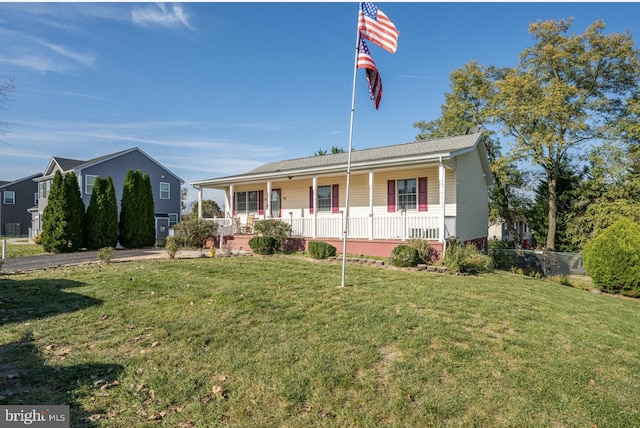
345, 230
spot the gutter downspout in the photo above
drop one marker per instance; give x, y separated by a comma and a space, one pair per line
442, 183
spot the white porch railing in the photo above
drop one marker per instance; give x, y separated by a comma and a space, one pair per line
401, 227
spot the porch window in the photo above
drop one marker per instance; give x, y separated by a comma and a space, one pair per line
328, 199
248, 202
89, 181
165, 190
9, 197
407, 194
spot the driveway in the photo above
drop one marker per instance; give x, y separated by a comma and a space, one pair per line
44, 261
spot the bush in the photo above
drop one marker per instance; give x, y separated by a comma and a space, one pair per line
321, 250
425, 252
105, 254
404, 256
195, 232
172, 246
465, 258
277, 229
263, 245
612, 259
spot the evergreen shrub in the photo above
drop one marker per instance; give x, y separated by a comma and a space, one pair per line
263, 245
612, 259
321, 250
277, 229
425, 252
404, 256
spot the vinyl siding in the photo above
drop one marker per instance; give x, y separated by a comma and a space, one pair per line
472, 193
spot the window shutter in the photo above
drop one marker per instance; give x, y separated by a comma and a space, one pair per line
311, 200
260, 202
422, 194
391, 196
335, 198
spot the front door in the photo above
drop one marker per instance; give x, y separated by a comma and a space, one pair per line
162, 227
276, 197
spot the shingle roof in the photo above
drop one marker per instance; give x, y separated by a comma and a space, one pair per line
67, 164
420, 149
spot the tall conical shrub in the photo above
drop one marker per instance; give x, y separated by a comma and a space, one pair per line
63, 217
612, 259
101, 220
137, 215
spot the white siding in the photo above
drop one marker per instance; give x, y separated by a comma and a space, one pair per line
472, 194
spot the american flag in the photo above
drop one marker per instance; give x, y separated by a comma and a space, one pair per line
373, 77
374, 25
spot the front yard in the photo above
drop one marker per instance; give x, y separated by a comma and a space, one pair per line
275, 341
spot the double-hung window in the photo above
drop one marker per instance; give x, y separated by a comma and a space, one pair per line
9, 197
247, 202
89, 181
324, 198
165, 190
407, 194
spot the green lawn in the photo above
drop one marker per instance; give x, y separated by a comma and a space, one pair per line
21, 248
275, 341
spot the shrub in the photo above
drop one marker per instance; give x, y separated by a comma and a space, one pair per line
172, 246
465, 258
277, 229
37, 239
321, 250
263, 245
404, 256
105, 254
612, 259
425, 252
195, 232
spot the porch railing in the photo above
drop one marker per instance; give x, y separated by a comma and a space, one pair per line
401, 227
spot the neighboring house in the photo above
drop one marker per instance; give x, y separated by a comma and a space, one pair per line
16, 198
499, 231
432, 190
165, 184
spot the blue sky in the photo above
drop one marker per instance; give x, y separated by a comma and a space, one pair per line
216, 89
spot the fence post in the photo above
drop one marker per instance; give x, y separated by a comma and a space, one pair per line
4, 249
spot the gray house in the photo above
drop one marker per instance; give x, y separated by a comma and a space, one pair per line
16, 198
166, 185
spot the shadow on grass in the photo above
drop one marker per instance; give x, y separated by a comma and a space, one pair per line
25, 379
39, 298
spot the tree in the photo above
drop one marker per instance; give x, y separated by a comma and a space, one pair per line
137, 216
470, 104
5, 88
210, 209
63, 217
334, 150
101, 219
566, 91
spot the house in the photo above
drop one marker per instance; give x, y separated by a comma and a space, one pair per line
431, 190
166, 185
16, 197
499, 231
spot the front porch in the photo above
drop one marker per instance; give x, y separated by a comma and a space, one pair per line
371, 235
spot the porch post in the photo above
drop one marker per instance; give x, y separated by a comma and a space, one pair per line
200, 203
231, 201
267, 213
443, 186
315, 207
370, 205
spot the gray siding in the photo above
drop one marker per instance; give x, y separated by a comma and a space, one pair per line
472, 198
24, 189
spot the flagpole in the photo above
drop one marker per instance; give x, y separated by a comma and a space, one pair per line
345, 230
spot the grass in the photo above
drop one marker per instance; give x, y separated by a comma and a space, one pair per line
22, 248
274, 341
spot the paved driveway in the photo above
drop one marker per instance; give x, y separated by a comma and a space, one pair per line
44, 261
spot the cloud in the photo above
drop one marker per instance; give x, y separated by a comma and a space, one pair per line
160, 15
85, 59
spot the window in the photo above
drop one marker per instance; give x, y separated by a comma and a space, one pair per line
44, 187
89, 181
9, 197
407, 194
173, 219
324, 199
35, 198
165, 191
248, 202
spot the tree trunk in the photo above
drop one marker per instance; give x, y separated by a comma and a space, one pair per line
553, 212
